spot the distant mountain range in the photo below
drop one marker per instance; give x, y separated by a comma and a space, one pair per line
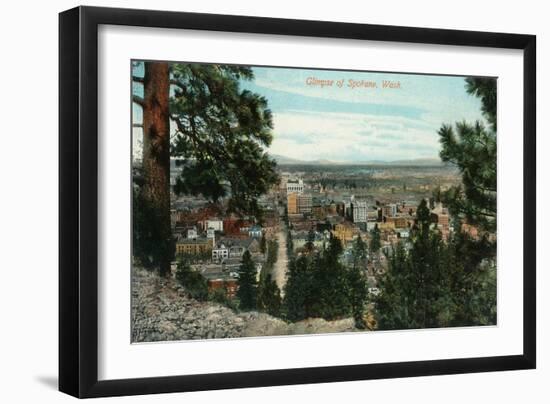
283, 160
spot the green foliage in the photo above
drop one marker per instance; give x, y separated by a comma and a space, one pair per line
310, 246
193, 282
289, 243
269, 296
146, 231
359, 252
221, 132
319, 285
219, 296
486, 90
358, 293
437, 284
299, 290
263, 244
248, 285
375, 242
472, 148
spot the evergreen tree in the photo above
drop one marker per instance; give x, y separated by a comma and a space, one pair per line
263, 244
154, 232
193, 282
289, 243
310, 240
359, 252
358, 293
298, 297
437, 284
220, 132
248, 285
396, 297
269, 296
331, 283
375, 242
319, 285
334, 250
472, 148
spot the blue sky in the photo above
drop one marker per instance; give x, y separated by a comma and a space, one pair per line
344, 124
347, 124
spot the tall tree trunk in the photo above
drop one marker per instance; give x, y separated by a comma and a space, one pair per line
156, 160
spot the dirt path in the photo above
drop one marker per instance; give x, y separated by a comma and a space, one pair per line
279, 269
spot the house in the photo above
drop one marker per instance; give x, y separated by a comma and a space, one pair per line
403, 233
255, 231
233, 227
220, 252
301, 238
230, 248
214, 223
194, 246
192, 233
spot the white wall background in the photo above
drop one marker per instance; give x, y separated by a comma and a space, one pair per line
28, 206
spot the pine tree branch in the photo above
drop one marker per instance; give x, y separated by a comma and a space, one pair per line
178, 84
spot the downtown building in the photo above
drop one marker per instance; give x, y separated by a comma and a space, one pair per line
359, 211
294, 186
299, 203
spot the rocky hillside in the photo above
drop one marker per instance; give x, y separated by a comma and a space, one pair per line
162, 311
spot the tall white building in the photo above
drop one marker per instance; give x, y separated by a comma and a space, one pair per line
359, 211
294, 186
214, 223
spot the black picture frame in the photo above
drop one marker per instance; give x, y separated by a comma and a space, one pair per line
78, 201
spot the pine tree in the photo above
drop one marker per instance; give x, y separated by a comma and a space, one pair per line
375, 242
221, 132
437, 284
298, 290
331, 280
263, 244
193, 282
359, 252
358, 293
248, 285
269, 296
310, 246
154, 193
472, 148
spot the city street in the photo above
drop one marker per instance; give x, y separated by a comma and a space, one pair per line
280, 267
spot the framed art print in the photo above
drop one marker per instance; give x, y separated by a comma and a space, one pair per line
250, 201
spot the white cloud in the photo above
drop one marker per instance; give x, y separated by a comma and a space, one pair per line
350, 137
